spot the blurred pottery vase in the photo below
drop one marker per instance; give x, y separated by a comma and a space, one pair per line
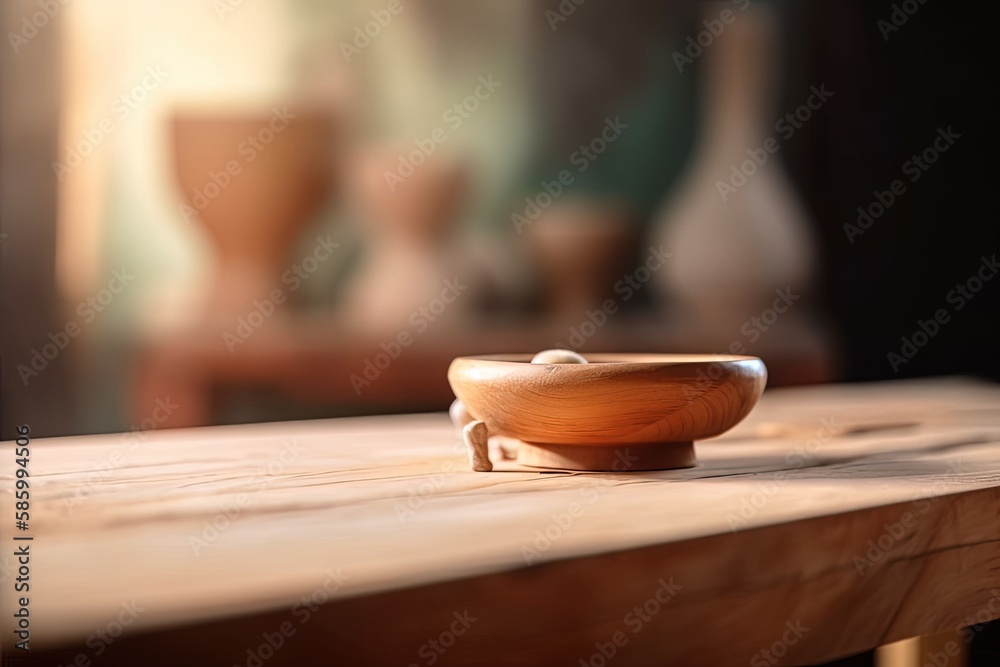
407, 223
581, 248
735, 227
252, 180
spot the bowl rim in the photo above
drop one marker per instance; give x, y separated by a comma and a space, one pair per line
614, 359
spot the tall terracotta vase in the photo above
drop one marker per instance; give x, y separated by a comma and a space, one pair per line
251, 180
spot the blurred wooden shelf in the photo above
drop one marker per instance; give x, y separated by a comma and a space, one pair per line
312, 361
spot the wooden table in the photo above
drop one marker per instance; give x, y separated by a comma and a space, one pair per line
835, 519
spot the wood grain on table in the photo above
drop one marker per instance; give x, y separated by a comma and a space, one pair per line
833, 520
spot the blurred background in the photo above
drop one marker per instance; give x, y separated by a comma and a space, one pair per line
227, 211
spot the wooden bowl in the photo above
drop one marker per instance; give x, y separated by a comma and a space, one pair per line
617, 412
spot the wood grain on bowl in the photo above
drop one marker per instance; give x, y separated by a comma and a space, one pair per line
583, 415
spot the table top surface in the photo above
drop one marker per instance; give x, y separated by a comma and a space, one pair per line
883, 497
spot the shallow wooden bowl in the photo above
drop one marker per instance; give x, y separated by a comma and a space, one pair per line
617, 412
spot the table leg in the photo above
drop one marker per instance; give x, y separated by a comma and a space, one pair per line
945, 649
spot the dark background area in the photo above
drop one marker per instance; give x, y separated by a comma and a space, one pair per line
890, 99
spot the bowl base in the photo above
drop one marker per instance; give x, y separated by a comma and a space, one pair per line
612, 458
